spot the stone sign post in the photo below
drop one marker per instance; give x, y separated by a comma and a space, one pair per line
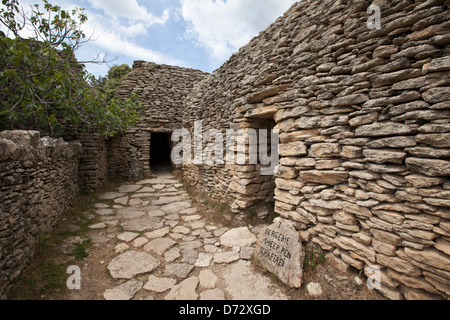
279, 250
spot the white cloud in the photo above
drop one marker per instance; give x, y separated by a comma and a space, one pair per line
115, 39
223, 26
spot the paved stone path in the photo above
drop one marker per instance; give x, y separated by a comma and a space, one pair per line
167, 250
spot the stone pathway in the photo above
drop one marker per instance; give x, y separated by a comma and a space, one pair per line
167, 250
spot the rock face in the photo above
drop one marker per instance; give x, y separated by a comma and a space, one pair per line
280, 251
38, 182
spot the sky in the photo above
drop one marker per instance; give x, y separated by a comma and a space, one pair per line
199, 34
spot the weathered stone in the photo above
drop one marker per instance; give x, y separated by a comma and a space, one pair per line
159, 246
132, 263
176, 207
292, 149
430, 257
124, 292
204, 260
280, 251
325, 150
314, 289
142, 224
324, 177
239, 237
384, 156
212, 295
180, 270
384, 129
159, 285
429, 167
436, 95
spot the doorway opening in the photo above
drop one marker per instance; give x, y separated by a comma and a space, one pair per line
160, 152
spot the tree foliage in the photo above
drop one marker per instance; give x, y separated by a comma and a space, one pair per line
108, 86
42, 86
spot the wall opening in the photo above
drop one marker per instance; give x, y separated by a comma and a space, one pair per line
160, 151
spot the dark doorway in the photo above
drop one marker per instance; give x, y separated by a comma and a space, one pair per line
160, 151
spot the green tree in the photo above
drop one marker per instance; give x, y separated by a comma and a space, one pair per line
42, 86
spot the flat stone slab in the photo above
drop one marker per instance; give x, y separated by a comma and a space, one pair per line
159, 285
132, 263
124, 292
128, 214
280, 251
97, 226
128, 236
111, 195
204, 260
239, 237
172, 255
186, 290
129, 188
142, 224
159, 246
226, 257
180, 270
156, 213
208, 280
160, 233
104, 212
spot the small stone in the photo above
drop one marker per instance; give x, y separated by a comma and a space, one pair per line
208, 279
204, 260
142, 224
132, 263
314, 289
246, 253
159, 246
127, 236
139, 242
111, 195
159, 285
212, 295
98, 226
172, 255
124, 292
180, 270
190, 256
121, 247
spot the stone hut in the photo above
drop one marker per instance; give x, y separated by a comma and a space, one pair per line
363, 115
162, 90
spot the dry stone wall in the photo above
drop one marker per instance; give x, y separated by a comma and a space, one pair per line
38, 182
162, 90
364, 120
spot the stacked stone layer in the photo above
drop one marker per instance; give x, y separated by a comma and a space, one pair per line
162, 90
38, 182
